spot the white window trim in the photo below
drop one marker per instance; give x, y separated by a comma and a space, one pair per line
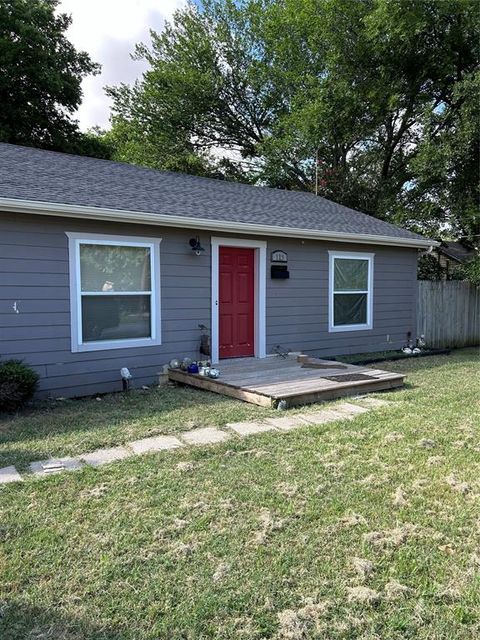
351, 256
75, 239
260, 247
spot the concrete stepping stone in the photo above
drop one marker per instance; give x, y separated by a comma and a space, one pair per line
55, 465
104, 456
250, 428
158, 443
208, 435
288, 422
9, 474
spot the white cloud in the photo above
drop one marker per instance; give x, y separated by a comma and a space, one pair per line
109, 30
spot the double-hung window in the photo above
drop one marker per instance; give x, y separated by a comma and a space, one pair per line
114, 292
350, 291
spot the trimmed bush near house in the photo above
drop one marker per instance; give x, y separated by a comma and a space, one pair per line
18, 383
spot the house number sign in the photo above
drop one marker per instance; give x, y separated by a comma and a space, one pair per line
279, 256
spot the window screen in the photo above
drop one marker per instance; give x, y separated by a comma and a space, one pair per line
116, 294
350, 295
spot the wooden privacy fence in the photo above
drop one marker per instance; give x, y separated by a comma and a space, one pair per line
448, 313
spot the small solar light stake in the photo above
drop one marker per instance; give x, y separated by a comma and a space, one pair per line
126, 377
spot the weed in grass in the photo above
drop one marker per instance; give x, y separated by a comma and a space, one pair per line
390, 537
222, 570
95, 492
395, 591
301, 623
373, 480
286, 489
352, 520
363, 567
427, 443
400, 498
393, 436
457, 485
268, 524
363, 595
181, 549
185, 466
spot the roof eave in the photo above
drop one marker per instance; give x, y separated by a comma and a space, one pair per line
457, 258
15, 205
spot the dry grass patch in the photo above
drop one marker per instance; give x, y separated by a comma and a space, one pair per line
291, 536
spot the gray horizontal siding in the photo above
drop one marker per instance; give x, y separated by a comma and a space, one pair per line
298, 307
34, 275
30, 265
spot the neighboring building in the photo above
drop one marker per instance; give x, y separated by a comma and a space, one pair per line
106, 265
451, 255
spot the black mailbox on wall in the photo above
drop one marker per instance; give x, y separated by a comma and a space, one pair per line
280, 272
279, 268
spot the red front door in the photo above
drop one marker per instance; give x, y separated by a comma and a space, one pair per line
236, 302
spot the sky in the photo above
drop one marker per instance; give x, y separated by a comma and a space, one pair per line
109, 30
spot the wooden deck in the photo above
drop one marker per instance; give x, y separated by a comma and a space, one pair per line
268, 381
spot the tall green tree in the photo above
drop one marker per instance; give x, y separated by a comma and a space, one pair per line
206, 91
445, 167
40, 78
371, 103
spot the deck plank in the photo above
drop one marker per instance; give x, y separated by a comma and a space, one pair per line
265, 382
280, 375
218, 387
356, 387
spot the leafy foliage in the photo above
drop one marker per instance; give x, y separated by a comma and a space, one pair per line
470, 271
372, 102
445, 170
18, 383
40, 79
429, 268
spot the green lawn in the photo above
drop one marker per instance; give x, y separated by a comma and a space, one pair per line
366, 529
70, 427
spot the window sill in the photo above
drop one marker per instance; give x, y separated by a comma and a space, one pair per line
107, 345
350, 327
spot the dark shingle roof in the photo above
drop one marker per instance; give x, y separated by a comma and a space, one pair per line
458, 251
46, 176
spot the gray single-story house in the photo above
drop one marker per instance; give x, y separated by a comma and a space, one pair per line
105, 265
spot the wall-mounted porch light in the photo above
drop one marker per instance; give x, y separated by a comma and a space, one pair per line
196, 246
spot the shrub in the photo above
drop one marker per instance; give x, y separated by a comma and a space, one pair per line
18, 383
430, 269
